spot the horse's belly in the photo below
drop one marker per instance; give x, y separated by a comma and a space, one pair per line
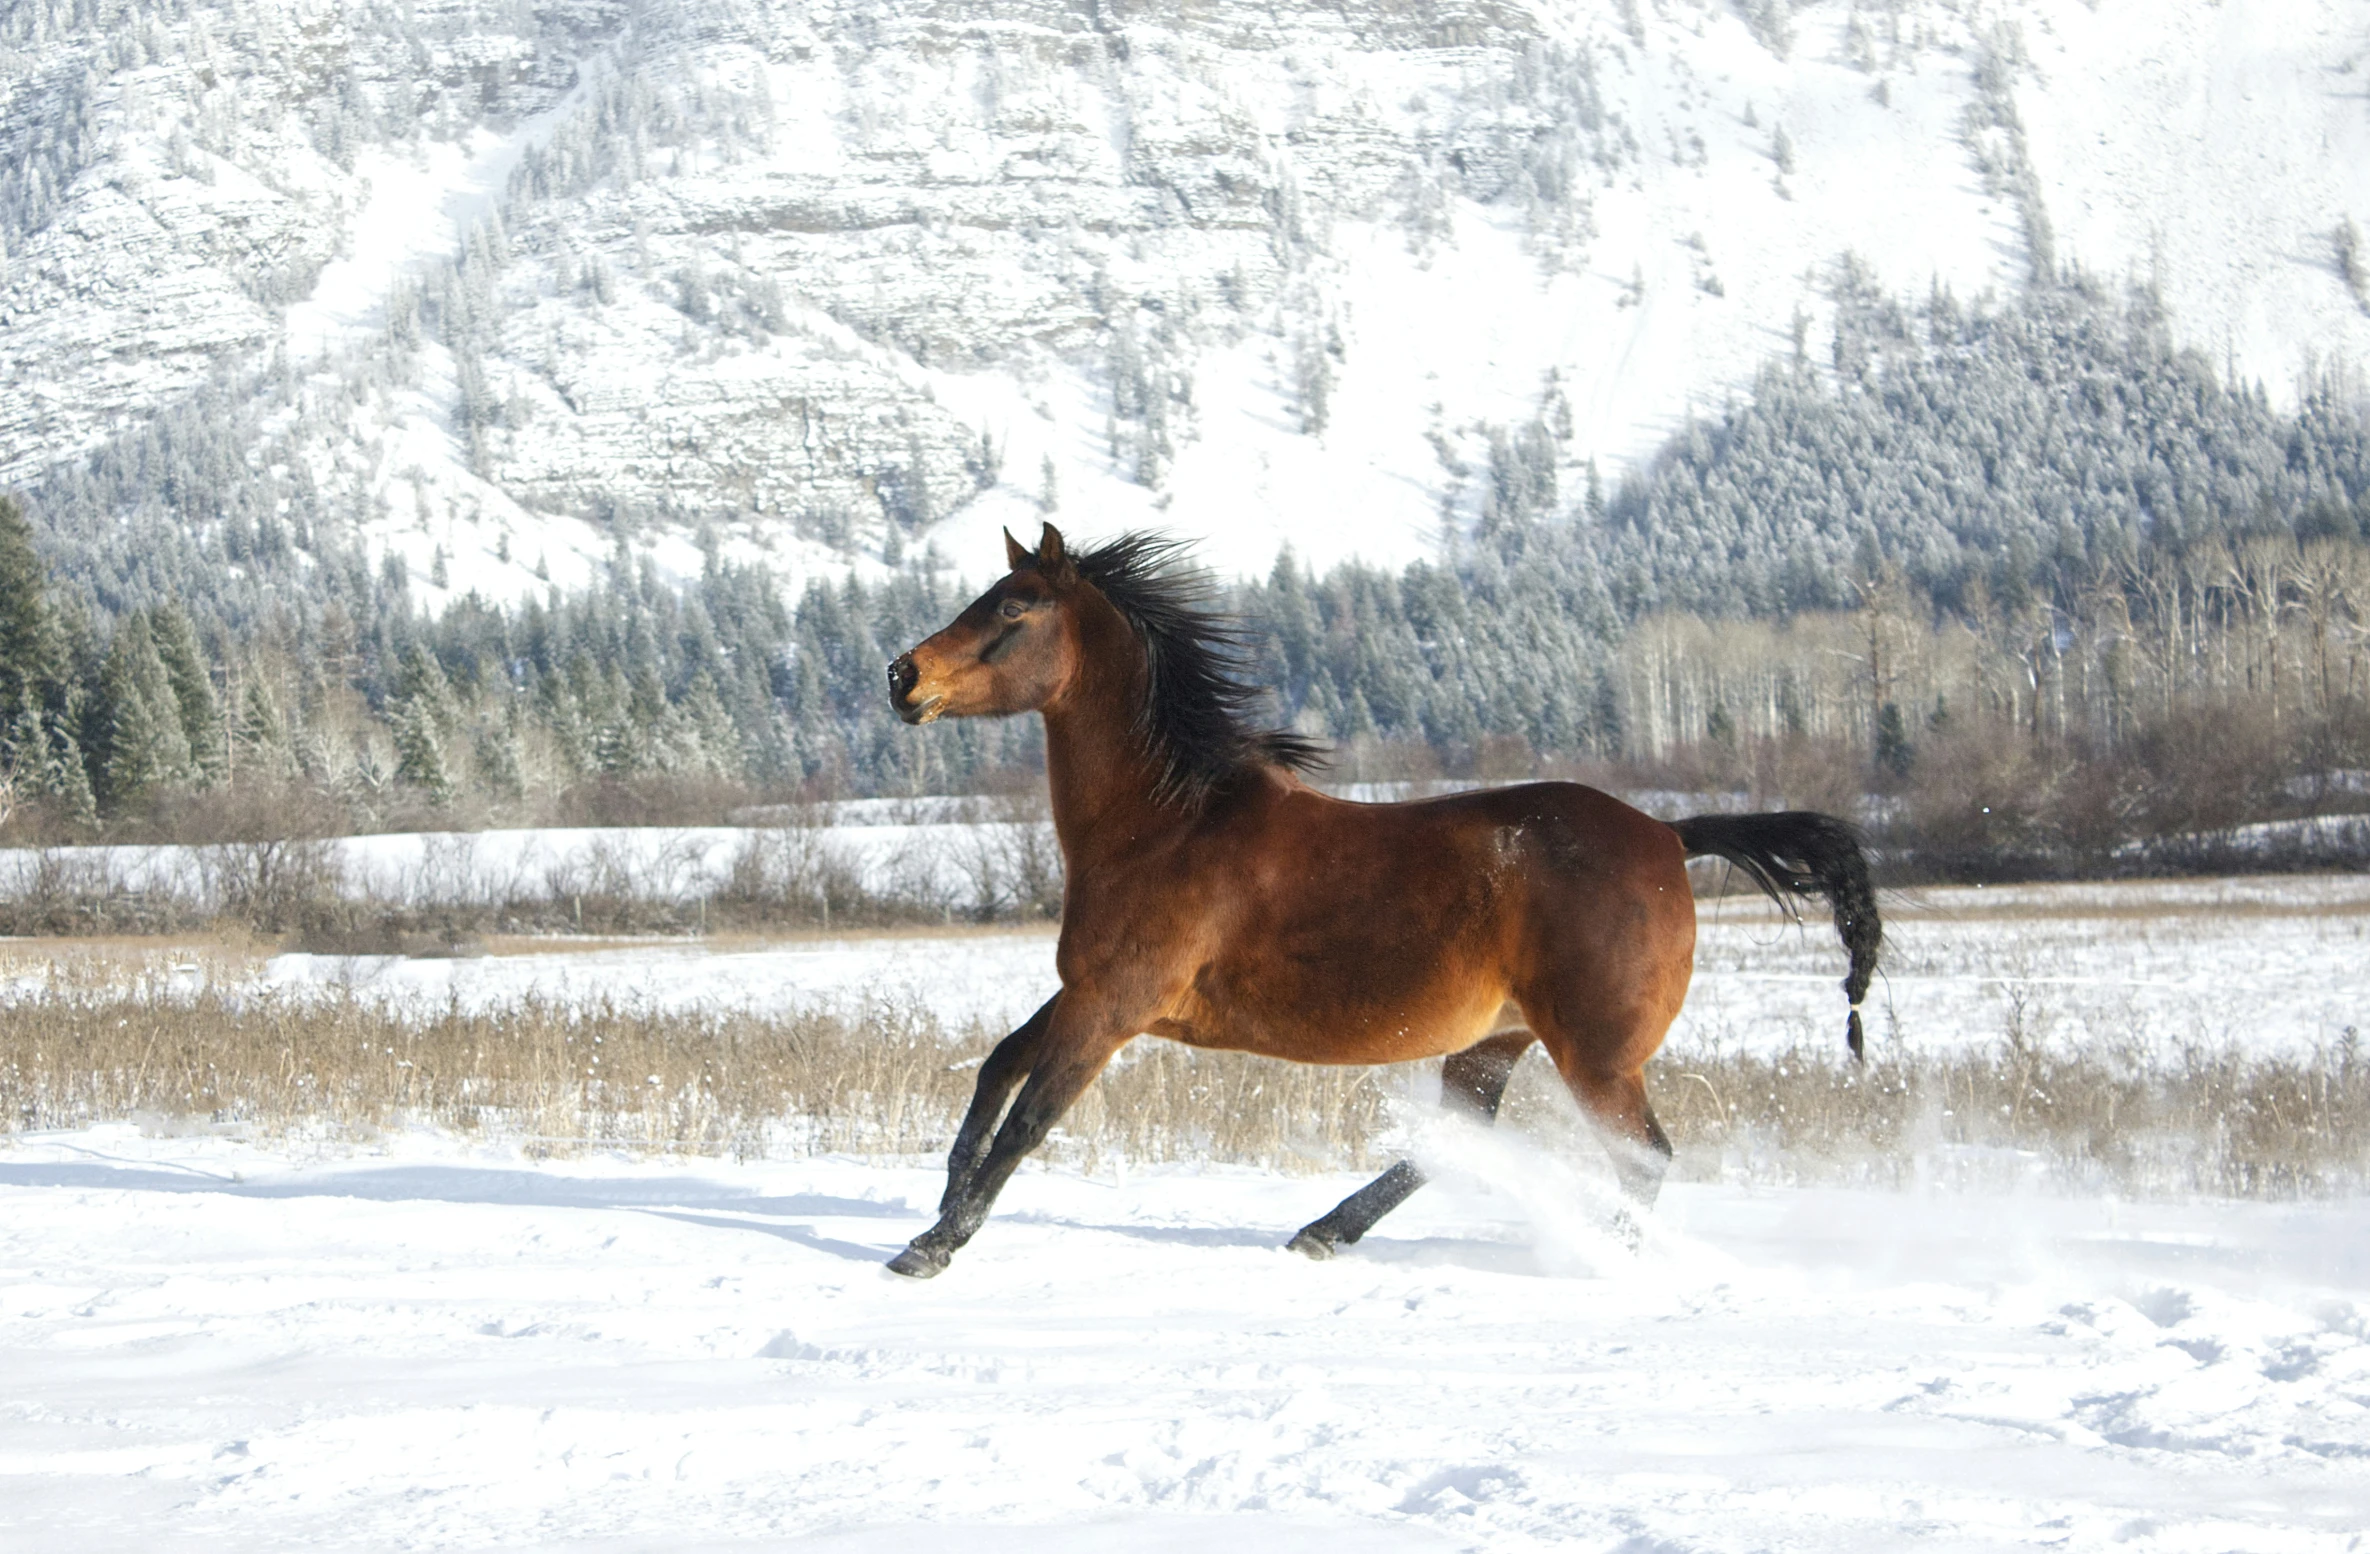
1319, 1024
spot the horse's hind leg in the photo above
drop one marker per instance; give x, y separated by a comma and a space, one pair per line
1640, 1150
1472, 1081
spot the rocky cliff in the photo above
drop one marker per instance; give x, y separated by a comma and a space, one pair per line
492, 288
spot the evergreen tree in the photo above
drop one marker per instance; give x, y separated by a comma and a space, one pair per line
139, 718
193, 695
26, 660
1895, 755
423, 720
66, 779
262, 732
713, 738
419, 750
497, 760
24, 747
40, 759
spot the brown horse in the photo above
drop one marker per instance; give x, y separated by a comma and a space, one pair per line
1214, 898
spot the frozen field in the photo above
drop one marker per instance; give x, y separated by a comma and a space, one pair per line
417, 1343
2264, 963
210, 1347
918, 844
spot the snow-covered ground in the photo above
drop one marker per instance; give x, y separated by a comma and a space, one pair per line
416, 1342
992, 977
917, 846
213, 1347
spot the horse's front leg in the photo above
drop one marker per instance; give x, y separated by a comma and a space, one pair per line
1002, 1070
1072, 1050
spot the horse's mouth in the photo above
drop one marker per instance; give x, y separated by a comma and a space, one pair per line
928, 712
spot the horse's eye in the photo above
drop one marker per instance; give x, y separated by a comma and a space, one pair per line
1013, 610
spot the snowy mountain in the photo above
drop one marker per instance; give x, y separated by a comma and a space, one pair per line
500, 287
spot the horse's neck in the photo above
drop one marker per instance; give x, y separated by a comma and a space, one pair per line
1101, 783
1101, 780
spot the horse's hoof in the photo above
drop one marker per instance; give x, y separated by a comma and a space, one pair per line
1311, 1245
915, 1263
1627, 1233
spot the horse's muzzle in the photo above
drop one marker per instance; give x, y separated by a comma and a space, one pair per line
904, 675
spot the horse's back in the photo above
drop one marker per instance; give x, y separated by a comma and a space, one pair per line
1578, 830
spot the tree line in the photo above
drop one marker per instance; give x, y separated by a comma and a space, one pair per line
628, 700
2032, 525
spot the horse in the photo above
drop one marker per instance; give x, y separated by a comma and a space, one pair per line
1213, 897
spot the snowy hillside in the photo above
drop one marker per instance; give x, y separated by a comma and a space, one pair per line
507, 285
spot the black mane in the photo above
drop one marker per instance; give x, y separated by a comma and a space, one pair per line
1199, 718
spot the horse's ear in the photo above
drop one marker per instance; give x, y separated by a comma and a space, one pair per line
1015, 553
1052, 556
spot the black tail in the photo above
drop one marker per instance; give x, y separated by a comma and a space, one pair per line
1803, 853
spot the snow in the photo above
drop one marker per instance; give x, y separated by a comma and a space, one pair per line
989, 978
672, 864
2264, 965
212, 1345
1441, 337
417, 1341
417, 207
2214, 149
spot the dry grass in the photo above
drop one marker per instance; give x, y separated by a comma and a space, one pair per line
105, 1042
97, 1038
2084, 1116
110, 1029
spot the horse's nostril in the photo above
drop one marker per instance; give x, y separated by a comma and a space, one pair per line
902, 674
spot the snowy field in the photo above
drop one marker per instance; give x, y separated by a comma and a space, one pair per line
210, 1347
918, 845
419, 1343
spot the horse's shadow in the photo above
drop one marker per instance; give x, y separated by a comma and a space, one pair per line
797, 1235
1167, 1235
712, 1205
693, 1200
1478, 1253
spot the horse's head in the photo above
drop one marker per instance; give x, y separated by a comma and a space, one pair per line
1011, 650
